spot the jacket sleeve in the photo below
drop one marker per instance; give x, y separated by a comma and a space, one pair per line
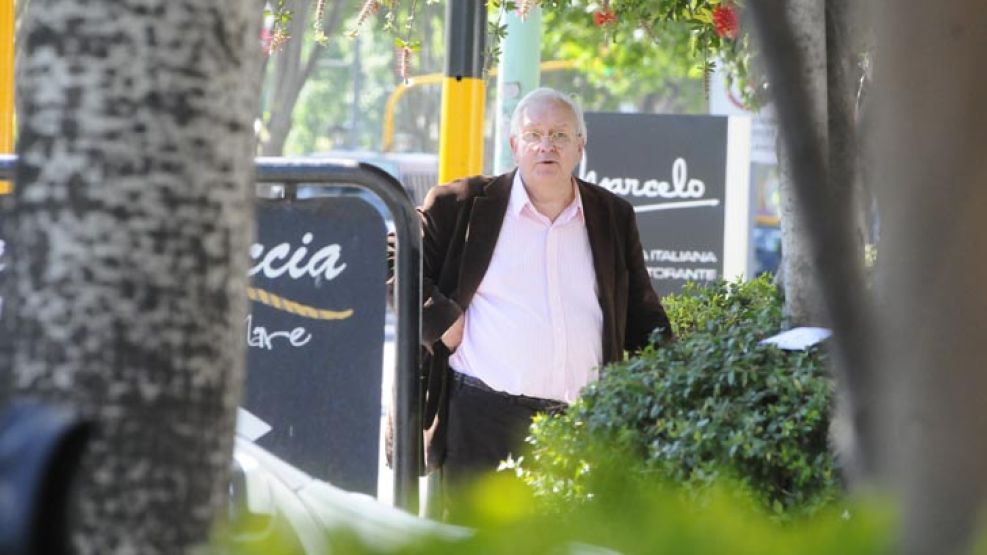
644, 310
439, 214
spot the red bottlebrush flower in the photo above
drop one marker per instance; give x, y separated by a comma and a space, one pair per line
524, 7
603, 17
725, 21
265, 41
272, 41
368, 9
277, 41
403, 62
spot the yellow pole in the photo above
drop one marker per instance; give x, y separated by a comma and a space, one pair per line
463, 91
461, 136
479, 104
6, 82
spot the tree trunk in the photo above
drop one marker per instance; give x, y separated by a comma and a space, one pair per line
290, 74
291, 71
820, 185
803, 299
853, 427
843, 47
126, 291
931, 181
823, 283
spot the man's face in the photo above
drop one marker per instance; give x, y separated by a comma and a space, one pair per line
546, 146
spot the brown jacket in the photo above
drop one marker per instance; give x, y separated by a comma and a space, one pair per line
461, 222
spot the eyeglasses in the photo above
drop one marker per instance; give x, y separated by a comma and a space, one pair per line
557, 139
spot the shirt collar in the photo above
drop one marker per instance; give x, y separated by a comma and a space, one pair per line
519, 199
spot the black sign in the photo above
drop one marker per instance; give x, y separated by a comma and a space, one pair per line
673, 170
315, 336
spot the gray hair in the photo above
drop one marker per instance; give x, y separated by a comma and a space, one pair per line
542, 95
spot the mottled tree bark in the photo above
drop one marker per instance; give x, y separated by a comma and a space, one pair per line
926, 391
803, 299
931, 180
852, 432
126, 293
844, 50
826, 38
821, 185
815, 59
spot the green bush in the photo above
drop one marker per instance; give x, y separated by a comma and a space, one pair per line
634, 515
714, 403
639, 515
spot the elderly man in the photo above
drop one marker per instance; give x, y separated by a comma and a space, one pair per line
532, 280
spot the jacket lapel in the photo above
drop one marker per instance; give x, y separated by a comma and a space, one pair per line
486, 219
599, 226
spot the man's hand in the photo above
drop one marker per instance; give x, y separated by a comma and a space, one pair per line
454, 335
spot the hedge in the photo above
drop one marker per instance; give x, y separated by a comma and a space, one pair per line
715, 403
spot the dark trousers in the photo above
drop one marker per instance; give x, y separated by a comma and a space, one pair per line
485, 427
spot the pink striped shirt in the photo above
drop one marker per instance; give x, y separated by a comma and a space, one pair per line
534, 326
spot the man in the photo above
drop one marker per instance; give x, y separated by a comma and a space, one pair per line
531, 281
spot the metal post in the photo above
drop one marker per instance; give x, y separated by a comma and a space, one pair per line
407, 299
6, 83
518, 76
463, 91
